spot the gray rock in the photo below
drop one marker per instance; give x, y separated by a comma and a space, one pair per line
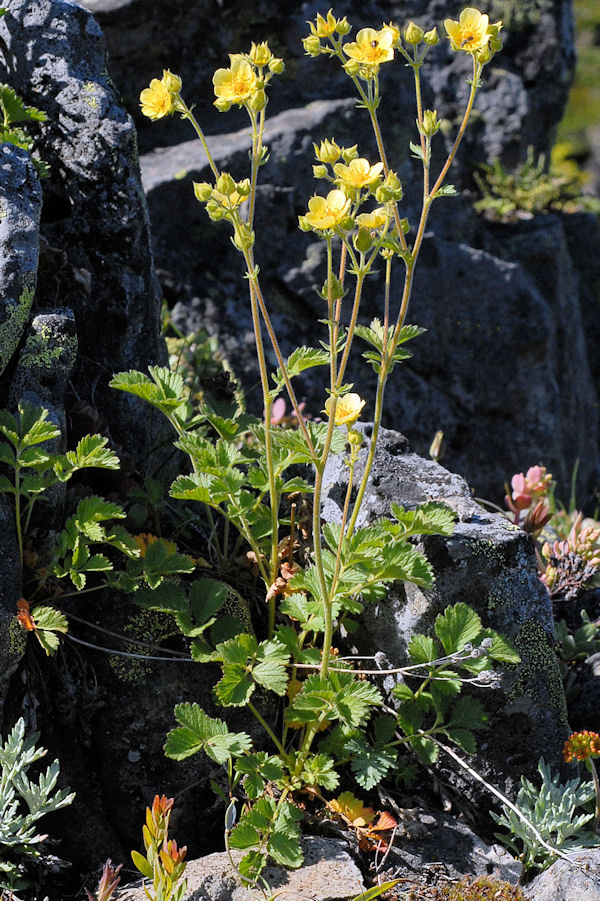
12, 637
577, 879
490, 565
328, 874
20, 205
94, 214
429, 841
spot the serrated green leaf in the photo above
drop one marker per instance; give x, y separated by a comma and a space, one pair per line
168, 597
165, 389
50, 618
236, 686
432, 518
319, 769
91, 452
370, 763
422, 649
15, 110
300, 359
468, 713
425, 749
463, 738
198, 731
456, 626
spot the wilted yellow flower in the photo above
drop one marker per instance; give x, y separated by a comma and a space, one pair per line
327, 212
236, 84
348, 408
359, 173
375, 219
260, 54
470, 33
394, 31
324, 26
171, 81
371, 47
157, 100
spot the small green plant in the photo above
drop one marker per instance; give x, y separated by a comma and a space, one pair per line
108, 883
164, 863
557, 810
23, 802
573, 647
16, 115
531, 189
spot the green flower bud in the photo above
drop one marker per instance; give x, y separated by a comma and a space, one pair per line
354, 437
352, 67
405, 226
413, 34
320, 171
484, 55
202, 191
260, 54
222, 105
303, 225
363, 240
258, 101
225, 184
243, 187
350, 153
343, 26
431, 38
171, 82
347, 224
312, 45
214, 211
431, 124
327, 151
276, 65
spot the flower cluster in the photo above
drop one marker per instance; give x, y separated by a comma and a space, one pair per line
572, 562
474, 34
582, 746
530, 492
161, 98
244, 82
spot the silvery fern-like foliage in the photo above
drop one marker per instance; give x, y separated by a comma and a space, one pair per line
24, 801
556, 811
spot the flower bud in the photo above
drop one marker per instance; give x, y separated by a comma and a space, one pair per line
260, 54
222, 105
363, 240
303, 225
327, 151
431, 124
276, 65
243, 187
343, 26
352, 67
413, 34
320, 171
393, 30
347, 224
350, 153
484, 55
171, 82
405, 226
202, 191
214, 210
431, 38
258, 101
312, 45
225, 184
354, 437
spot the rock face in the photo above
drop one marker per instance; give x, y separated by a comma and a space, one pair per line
328, 874
574, 880
491, 370
489, 565
97, 258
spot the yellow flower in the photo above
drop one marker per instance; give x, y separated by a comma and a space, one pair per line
359, 173
157, 100
348, 408
394, 31
375, 219
327, 212
171, 81
371, 47
470, 33
327, 151
236, 84
324, 26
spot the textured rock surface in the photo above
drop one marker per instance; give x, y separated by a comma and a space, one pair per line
20, 210
94, 217
490, 565
565, 881
328, 874
12, 638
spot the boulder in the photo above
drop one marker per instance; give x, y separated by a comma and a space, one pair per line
488, 564
328, 874
576, 879
94, 217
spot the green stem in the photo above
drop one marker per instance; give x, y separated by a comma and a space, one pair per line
338, 559
18, 511
268, 730
386, 169
474, 85
594, 772
186, 113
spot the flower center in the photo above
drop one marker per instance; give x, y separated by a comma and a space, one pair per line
241, 84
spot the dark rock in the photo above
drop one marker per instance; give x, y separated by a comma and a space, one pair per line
576, 879
21, 204
12, 637
488, 564
94, 215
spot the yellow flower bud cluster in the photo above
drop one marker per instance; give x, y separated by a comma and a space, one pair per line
244, 82
223, 201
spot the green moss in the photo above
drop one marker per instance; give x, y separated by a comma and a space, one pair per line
44, 351
15, 321
12, 644
149, 626
484, 888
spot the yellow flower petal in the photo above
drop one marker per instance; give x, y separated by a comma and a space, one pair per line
347, 410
